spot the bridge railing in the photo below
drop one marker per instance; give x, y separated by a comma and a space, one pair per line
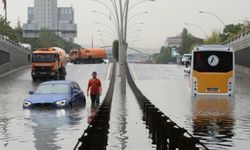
166, 134
13, 43
237, 37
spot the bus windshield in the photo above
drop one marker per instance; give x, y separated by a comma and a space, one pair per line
213, 61
43, 58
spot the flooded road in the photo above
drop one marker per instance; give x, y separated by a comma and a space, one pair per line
127, 130
221, 122
43, 129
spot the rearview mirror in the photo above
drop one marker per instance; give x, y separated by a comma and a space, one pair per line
31, 92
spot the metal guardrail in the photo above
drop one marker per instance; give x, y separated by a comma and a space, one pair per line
7, 40
95, 137
166, 134
236, 37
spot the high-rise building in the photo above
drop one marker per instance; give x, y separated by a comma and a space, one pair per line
45, 15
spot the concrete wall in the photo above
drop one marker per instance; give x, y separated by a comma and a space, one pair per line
241, 45
12, 55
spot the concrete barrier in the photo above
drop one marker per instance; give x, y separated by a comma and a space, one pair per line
12, 55
95, 137
166, 134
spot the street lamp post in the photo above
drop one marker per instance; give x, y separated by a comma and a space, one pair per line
204, 12
194, 25
135, 24
107, 33
105, 25
120, 13
140, 13
139, 3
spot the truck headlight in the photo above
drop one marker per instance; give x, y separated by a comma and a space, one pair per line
26, 103
61, 103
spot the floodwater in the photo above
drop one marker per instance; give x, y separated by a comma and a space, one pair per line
127, 130
43, 129
220, 122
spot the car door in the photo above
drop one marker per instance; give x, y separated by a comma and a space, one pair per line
81, 97
74, 95
78, 94
81, 94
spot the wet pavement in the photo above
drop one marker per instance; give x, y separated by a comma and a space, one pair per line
127, 130
44, 129
221, 122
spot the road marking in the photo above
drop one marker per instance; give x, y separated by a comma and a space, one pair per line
133, 71
108, 72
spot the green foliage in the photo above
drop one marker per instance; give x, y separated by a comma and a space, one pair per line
230, 30
188, 42
164, 57
50, 39
46, 38
214, 38
115, 50
6, 30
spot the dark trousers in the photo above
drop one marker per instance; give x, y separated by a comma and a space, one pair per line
95, 98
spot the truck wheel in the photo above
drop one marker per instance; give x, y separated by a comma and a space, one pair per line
62, 76
78, 62
34, 78
57, 76
62, 73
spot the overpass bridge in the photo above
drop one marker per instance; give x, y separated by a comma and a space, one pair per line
12, 55
241, 45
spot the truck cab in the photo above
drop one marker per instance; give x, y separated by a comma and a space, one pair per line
49, 63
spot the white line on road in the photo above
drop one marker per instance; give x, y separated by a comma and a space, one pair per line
133, 72
108, 72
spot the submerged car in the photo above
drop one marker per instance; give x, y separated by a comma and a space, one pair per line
55, 94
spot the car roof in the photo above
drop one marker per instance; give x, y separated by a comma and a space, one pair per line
57, 82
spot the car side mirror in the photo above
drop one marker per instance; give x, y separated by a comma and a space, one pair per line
31, 92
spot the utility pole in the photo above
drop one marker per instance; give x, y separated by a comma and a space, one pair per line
5, 8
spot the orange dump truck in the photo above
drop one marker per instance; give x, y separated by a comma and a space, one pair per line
49, 63
87, 55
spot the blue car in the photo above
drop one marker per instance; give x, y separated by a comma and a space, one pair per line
56, 94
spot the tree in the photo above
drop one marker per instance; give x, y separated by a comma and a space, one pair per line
6, 30
231, 30
188, 42
214, 38
164, 57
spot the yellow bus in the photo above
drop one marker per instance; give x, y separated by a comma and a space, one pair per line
212, 70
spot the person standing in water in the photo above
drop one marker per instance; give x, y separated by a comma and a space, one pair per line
95, 88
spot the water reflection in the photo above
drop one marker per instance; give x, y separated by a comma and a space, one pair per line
213, 119
47, 124
91, 113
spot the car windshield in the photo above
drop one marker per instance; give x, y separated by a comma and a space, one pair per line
53, 89
43, 58
213, 61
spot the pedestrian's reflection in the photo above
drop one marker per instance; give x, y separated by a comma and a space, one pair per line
213, 117
93, 109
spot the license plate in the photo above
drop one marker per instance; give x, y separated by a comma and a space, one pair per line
212, 89
43, 73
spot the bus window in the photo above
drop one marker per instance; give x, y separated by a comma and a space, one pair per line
213, 61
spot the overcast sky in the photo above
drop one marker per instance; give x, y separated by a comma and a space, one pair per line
165, 18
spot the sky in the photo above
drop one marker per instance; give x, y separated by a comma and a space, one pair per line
166, 18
